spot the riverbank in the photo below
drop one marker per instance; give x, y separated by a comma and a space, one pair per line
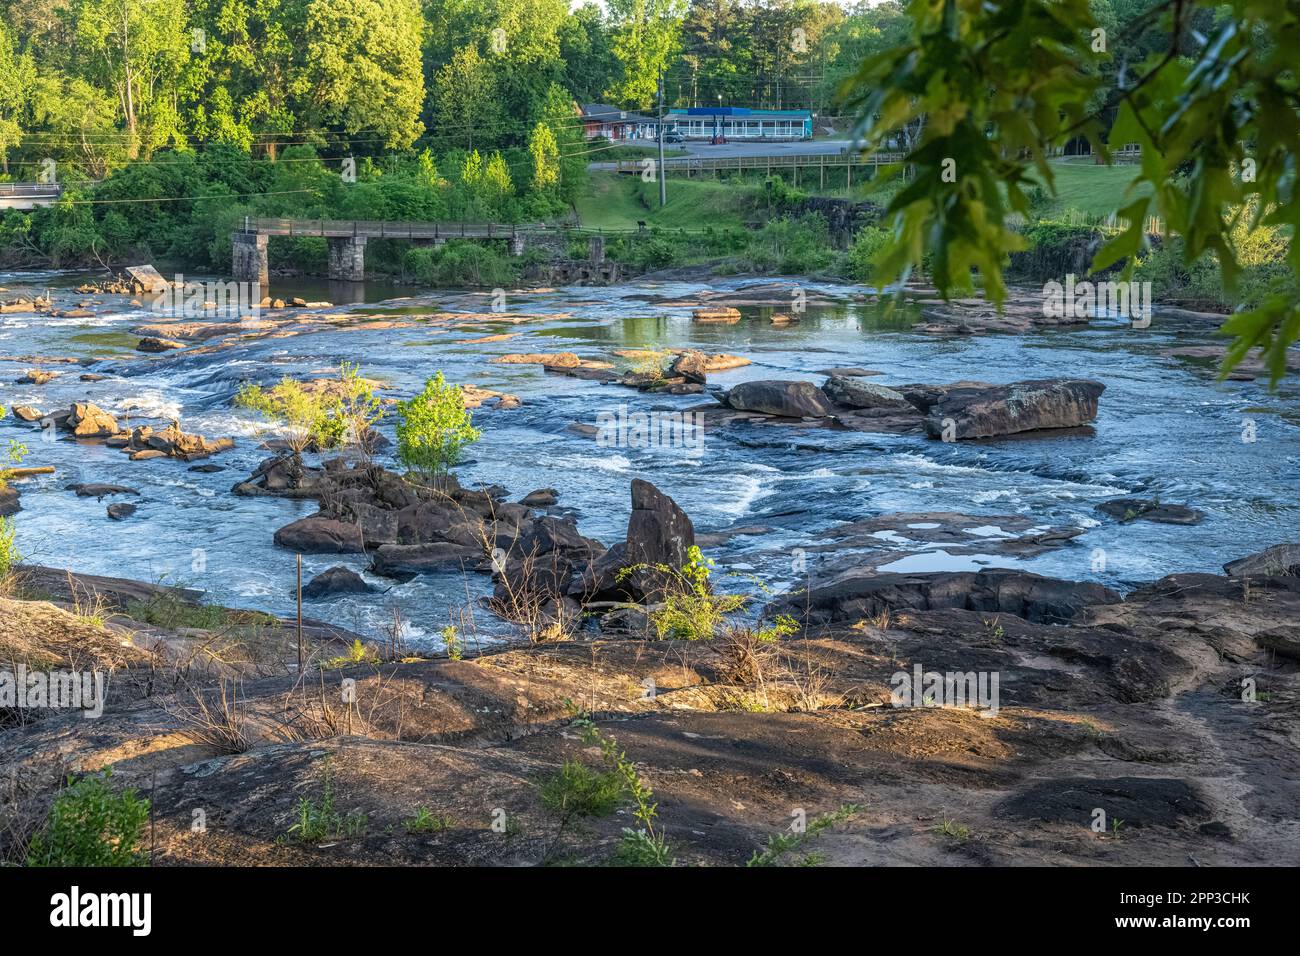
1146, 729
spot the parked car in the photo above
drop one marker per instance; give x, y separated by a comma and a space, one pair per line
672, 136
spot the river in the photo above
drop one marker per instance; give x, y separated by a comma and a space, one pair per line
1165, 429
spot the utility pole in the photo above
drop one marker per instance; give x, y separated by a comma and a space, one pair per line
663, 179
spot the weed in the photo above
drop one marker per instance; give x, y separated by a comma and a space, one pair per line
949, 828
323, 821
90, 825
778, 845
426, 822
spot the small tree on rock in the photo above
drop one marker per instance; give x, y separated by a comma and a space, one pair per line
433, 428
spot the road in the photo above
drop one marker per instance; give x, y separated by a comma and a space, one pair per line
702, 150
805, 147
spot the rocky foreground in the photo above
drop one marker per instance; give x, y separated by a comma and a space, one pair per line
1169, 715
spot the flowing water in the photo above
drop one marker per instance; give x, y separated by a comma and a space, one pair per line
1165, 429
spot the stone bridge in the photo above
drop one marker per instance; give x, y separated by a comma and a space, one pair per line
347, 241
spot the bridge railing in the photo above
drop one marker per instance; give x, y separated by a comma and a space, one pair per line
30, 190
378, 229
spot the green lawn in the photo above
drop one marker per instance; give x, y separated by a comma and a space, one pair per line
619, 202
1091, 189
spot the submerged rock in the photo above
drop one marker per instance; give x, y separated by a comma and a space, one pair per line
100, 490
1131, 509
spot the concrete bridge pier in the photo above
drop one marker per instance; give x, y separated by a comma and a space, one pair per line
248, 259
347, 258
596, 249
517, 245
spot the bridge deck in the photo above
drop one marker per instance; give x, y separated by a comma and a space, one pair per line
374, 229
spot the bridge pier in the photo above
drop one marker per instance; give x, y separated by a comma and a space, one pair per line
248, 259
596, 249
517, 244
347, 258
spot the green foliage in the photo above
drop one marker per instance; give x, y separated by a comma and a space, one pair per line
9, 554
689, 609
781, 844
321, 819
460, 263
14, 456
433, 428
328, 415
648, 845
869, 243
90, 825
987, 91
425, 821
452, 640
791, 246
575, 790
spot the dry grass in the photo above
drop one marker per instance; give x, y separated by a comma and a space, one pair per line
39, 634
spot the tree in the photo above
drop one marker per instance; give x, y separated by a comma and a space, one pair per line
363, 69
465, 103
646, 37
433, 428
17, 77
140, 50
546, 159
1002, 84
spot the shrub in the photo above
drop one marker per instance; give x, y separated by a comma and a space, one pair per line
9, 556
433, 427
304, 414
16, 453
690, 610
575, 790
862, 254
90, 825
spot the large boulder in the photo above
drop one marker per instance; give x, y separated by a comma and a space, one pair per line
282, 475
985, 411
658, 533
1277, 561
9, 503
321, 535
90, 421
852, 392
785, 399
334, 581
178, 444
863, 593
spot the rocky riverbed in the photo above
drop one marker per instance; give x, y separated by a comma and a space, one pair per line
1046, 506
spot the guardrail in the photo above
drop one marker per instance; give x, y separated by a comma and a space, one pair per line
30, 190
375, 229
